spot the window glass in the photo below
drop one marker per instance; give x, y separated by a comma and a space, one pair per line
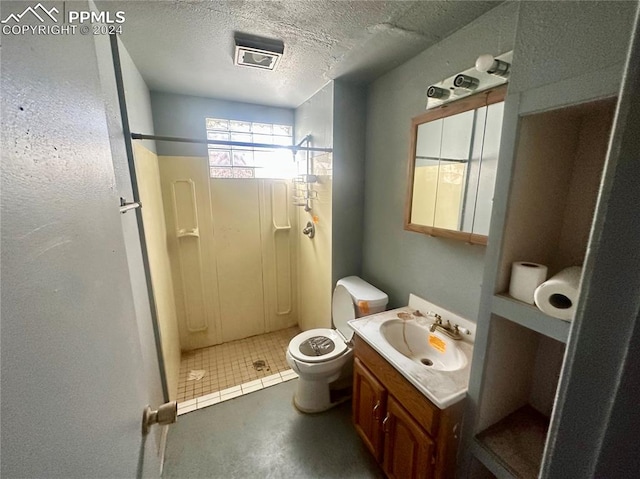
228, 161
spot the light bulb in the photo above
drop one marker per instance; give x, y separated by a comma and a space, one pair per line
485, 62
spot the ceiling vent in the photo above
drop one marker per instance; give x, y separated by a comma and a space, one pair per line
257, 52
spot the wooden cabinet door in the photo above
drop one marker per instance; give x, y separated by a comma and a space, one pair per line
408, 450
369, 404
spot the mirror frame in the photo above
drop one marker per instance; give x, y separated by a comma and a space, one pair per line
478, 100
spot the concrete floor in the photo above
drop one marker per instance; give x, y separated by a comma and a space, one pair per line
261, 435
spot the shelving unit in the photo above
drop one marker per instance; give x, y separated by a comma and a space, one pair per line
488, 464
523, 368
530, 317
303, 193
516, 443
557, 167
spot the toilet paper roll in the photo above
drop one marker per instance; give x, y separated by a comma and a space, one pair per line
558, 295
525, 278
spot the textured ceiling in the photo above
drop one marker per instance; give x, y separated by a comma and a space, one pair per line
187, 46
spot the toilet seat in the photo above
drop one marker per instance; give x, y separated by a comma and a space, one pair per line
338, 342
323, 357
320, 351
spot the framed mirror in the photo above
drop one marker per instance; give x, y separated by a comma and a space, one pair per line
452, 165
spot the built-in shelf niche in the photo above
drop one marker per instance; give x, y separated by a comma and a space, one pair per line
521, 377
558, 165
530, 317
477, 470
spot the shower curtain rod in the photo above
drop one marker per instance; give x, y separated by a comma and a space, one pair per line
141, 136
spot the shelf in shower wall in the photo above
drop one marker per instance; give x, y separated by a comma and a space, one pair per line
188, 233
530, 317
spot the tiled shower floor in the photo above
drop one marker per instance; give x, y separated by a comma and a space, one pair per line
230, 365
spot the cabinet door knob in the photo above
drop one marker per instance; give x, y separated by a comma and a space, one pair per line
375, 411
384, 424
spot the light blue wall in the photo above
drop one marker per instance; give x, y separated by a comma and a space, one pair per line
557, 41
349, 129
184, 116
73, 380
315, 117
137, 96
447, 272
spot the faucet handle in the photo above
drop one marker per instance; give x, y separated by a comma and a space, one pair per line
437, 317
460, 329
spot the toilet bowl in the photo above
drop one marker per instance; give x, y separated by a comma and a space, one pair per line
322, 356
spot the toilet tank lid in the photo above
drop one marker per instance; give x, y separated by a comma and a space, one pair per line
360, 290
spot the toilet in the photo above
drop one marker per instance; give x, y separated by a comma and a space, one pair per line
321, 356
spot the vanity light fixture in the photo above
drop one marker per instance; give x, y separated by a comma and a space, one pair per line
466, 82
257, 52
487, 63
489, 72
437, 92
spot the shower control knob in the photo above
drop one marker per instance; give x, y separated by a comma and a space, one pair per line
310, 230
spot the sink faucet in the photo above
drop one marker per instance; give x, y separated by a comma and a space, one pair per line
437, 322
452, 330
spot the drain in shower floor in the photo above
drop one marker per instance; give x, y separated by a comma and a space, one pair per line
261, 365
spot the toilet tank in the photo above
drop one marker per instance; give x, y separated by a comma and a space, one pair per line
367, 299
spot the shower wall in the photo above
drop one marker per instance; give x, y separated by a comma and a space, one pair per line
335, 118
148, 173
315, 263
236, 277
315, 117
233, 259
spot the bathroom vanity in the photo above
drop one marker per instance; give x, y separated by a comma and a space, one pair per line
408, 435
407, 414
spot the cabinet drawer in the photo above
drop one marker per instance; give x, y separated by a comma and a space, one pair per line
423, 411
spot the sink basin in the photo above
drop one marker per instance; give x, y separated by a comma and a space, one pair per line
431, 350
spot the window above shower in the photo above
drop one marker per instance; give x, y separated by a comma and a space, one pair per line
249, 161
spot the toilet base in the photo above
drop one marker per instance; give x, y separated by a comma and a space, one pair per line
318, 396
318, 383
305, 402
308, 411
312, 396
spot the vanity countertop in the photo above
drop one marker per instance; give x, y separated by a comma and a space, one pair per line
443, 388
